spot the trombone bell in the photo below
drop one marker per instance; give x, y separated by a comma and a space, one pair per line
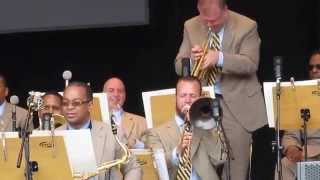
201, 114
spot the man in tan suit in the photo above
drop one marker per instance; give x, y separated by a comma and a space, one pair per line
77, 101
132, 125
6, 110
206, 149
237, 84
292, 140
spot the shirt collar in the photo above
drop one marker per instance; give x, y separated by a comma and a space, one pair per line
179, 121
118, 115
87, 125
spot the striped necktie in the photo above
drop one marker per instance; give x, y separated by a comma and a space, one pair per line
185, 164
214, 44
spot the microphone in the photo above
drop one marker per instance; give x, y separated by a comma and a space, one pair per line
46, 121
292, 83
14, 100
277, 63
67, 75
216, 110
185, 67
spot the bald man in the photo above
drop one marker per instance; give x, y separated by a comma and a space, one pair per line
133, 126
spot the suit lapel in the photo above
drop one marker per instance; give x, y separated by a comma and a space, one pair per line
228, 34
173, 133
127, 124
98, 140
195, 142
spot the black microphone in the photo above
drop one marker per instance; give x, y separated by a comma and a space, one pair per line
185, 67
216, 110
277, 63
14, 100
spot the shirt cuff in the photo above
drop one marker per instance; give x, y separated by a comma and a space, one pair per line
174, 157
220, 60
139, 144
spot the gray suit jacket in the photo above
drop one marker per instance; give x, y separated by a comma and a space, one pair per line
239, 83
205, 150
6, 118
107, 149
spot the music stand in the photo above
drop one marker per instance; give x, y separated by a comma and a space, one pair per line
296, 98
50, 167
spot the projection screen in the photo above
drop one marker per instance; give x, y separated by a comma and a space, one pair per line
43, 15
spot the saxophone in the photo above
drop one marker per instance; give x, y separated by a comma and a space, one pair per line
107, 165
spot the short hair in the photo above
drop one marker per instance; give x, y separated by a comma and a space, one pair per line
222, 3
53, 93
190, 79
85, 86
4, 80
315, 52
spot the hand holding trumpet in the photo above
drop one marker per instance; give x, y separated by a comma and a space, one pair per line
186, 137
210, 59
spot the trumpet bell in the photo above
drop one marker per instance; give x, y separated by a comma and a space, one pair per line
201, 114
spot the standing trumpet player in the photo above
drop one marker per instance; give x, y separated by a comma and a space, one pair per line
176, 140
235, 55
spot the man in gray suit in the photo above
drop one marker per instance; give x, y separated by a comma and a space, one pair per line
237, 83
6, 110
77, 100
206, 148
292, 140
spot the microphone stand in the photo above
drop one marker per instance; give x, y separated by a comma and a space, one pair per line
305, 115
276, 144
25, 146
225, 143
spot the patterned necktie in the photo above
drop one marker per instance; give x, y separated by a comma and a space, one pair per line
185, 164
214, 44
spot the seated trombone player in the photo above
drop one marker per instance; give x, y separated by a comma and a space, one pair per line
203, 146
76, 103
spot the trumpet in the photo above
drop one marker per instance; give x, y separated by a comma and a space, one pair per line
207, 75
107, 165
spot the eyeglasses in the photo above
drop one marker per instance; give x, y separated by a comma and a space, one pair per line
74, 103
311, 66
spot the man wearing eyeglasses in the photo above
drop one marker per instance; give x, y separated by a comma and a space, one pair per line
292, 140
77, 101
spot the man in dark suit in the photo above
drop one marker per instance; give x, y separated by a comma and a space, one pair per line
237, 84
6, 109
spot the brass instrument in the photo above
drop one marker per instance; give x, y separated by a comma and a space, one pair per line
107, 165
204, 74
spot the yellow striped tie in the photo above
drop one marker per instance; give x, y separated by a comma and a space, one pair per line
211, 74
185, 164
